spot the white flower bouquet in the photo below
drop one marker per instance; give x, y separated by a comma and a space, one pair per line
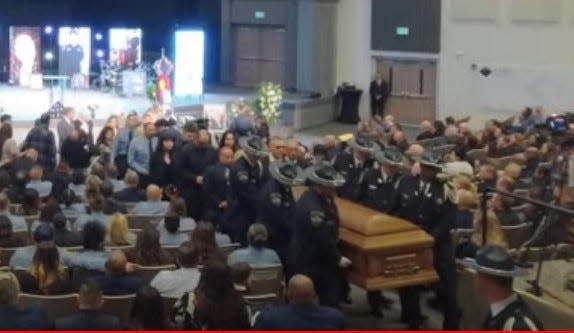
268, 103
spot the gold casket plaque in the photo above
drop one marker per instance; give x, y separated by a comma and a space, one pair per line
386, 252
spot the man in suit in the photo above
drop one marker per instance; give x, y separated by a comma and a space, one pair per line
379, 91
18, 317
66, 125
117, 281
132, 192
90, 316
302, 312
495, 271
216, 186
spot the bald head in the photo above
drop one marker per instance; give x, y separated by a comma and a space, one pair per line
301, 290
116, 263
426, 125
153, 193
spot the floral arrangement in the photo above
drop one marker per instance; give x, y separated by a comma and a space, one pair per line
269, 101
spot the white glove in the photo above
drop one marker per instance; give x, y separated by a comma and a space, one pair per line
344, 262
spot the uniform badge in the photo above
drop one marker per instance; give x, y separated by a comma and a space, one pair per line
275, 199
372, 187
243, 176
317, 218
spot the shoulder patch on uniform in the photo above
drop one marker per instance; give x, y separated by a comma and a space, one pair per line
243, 176
276, 199
317, 218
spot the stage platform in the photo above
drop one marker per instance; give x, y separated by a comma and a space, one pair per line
25, 105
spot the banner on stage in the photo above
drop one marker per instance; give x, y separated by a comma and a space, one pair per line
24, 55
75, 51
125, 47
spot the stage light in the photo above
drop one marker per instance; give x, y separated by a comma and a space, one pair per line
48, 30
99, 36
189, 62
100, 53
49, 56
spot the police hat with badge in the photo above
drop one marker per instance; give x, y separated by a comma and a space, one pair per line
390, 156
363, 144
324, 174
432, 159
495, 261
253, 145
287, 173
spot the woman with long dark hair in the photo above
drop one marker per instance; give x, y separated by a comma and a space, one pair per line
203, 236
148, 311
105, 140
228, 139
148, 251
163, 171
46, 276
218, 306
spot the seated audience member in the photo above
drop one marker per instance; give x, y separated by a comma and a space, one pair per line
17, 188
18, 222
505, 184
112, 176
255, 254
427, 131
502, 208
174, 283
177, 208
14, 316
47, 212
98, 170
90, 315
217, 305
78, 183
44, 188
93, 187
24, 257
494, 235
8, 238
153, 206
467, 202
111, 205
495, 271
96, 214
240, 273
533, 158
302, 312
148, 311
30, 202
25, 162
69, 207
93, 256
203, 236
487, 177
61, 179
148, 251
63, 236
399, 140
117, 280
47, 275
118, 232
131, 192
170, 235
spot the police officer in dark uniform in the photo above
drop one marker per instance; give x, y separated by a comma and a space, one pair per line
378, 190
495, 271
313, 250
245, 181
431, 204
277, 205
353, 164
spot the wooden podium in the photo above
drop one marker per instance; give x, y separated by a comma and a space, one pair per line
386, 252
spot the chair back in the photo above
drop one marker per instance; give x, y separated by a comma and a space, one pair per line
517, 235
266, 280
139, 221
434, 142
119, 306
228, 248
57, 306
130, 206
6, 254
147, 273
258, 302
124, 248
24, 234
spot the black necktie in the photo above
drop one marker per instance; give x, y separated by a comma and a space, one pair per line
150, 145
130, 136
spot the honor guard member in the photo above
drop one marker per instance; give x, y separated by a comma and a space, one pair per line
245, 181
352, 165
313, 250
277, 205
495, 271
378, 191
431, 204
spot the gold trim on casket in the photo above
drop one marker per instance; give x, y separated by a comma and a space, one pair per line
387, 252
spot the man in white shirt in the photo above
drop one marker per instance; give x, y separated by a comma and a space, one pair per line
173, 284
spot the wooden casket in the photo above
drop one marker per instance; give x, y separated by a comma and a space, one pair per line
386, 252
